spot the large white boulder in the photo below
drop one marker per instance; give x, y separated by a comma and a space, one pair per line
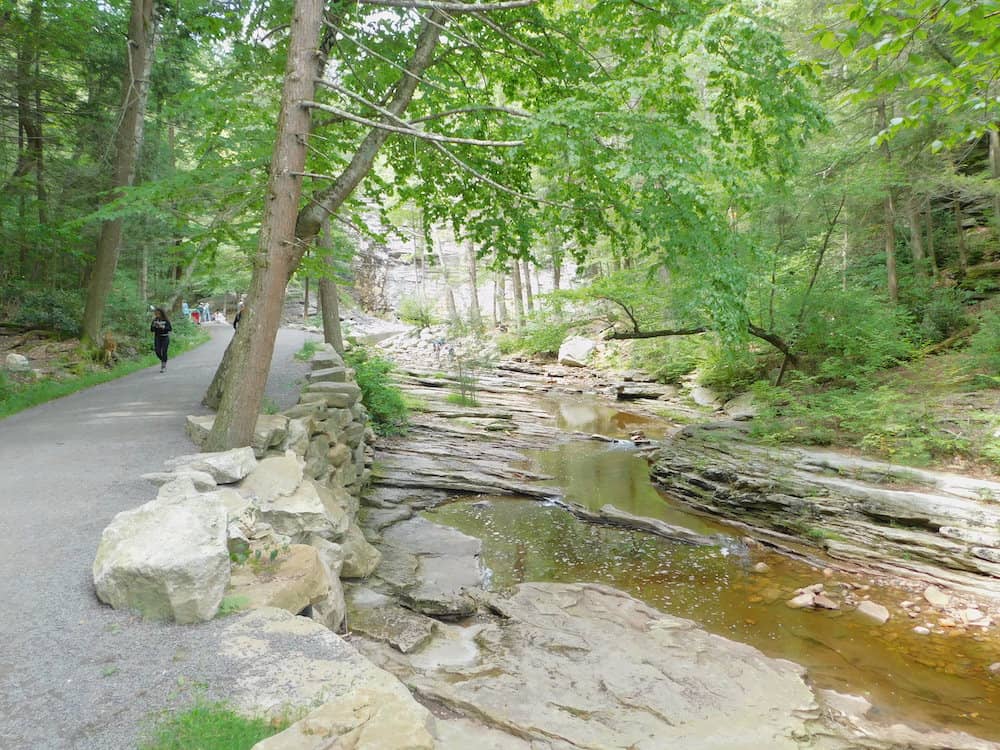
574, 351
167, 559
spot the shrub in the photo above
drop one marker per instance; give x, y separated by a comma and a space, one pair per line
942, 315
383, 400
416, 310
60, 310
853, 334
984, 347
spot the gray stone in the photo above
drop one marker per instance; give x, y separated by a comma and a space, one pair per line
281, 664
662, 682
315, 409
273, 477
201, 480
705, 397
325, 359
269, 432
297, 437
379, 617
741, 408
329, 375
168, 559
360, 558
226, 467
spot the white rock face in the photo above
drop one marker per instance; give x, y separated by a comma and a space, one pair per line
167, 559
574, 351
226, 467
17, 363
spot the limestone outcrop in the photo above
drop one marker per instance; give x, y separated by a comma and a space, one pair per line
929, 526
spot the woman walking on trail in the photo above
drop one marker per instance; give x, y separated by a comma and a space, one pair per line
161, 329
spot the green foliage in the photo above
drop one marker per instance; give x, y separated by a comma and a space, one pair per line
210, 726
307, 351
232, 604
542, 333
668, 359
942, 314
984, 348
57, 310
417, 311
384, 401
727, 368
880, 419
851, 334
461, 399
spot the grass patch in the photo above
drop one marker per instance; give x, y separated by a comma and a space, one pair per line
210, 726
232, 604
461, 399
15, 397
308, 349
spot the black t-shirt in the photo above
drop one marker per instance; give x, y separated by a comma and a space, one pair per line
160, 327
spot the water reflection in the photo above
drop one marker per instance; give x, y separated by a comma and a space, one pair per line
939, 680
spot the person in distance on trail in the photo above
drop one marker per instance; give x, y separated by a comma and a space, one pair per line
237, 319
161, 328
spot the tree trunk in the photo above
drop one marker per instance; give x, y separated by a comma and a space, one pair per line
889, 215
135, 91
916, 234
277, 254
144, 273
305, 298
995, 172
963, 252
556, 271
500, 296
475, 316
931, 253
515, 278
328, 299
529, 296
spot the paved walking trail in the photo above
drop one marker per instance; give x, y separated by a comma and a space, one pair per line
73, 672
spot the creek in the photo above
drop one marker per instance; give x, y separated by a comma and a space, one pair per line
940, 681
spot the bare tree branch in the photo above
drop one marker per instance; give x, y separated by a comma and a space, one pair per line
772, 338
421, 134
451, 7
467, 110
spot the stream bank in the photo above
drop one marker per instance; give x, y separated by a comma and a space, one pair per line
437, 611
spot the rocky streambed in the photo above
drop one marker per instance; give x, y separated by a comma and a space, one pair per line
521, 625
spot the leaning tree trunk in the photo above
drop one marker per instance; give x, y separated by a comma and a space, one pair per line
277, 254
135, 92
328, 201
328, 300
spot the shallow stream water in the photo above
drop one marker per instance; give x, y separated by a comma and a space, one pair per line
938, 680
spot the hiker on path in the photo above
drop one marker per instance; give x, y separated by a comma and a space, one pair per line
161, 328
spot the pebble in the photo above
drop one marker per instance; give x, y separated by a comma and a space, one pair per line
994, 668
828, 572
946, 622
874, 611
936, 597
921, 630
824, 602
761, 567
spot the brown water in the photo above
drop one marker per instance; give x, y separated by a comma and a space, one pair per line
940, 680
